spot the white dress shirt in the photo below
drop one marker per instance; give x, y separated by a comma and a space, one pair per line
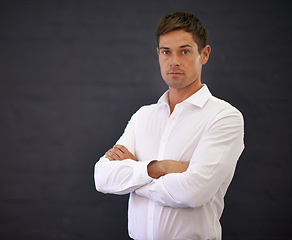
204, 130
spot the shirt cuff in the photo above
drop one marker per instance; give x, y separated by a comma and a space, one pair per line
144, 191
141, 173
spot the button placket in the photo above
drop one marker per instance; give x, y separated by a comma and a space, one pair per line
166, 135
151, 206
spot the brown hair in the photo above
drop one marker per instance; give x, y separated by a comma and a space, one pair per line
185, 21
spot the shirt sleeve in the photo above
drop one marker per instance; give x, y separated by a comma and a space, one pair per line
213, 160
121, 177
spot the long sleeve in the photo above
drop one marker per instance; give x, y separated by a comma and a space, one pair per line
121, 177
203, 130
211, 167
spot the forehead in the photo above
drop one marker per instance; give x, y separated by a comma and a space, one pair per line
177, 38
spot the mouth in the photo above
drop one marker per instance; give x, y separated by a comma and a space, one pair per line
175, 73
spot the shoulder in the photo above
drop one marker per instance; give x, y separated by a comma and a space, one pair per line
148, 108
145, 111
221, 109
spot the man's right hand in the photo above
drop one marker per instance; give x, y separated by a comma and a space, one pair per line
156, 169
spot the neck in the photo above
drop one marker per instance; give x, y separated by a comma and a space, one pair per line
179, 95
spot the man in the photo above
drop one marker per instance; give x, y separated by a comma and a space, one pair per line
176, 158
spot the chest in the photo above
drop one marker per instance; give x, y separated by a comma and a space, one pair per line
175, 137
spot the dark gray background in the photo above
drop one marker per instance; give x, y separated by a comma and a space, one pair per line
73, 72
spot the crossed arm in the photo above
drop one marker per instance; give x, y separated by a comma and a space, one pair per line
155, 168
174, 183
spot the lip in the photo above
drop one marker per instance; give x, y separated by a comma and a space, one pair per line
175, 73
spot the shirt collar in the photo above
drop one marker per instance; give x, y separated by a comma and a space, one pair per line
198, 99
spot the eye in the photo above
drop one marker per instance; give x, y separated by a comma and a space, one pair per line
165, 52
184, 52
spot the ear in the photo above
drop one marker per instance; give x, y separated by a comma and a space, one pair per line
157, 50
205, 53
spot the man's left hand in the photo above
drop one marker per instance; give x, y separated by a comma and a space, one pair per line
119, 153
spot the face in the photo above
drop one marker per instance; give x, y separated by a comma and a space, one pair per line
180, 61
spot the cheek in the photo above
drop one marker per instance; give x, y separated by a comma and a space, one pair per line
163, 65
196, 64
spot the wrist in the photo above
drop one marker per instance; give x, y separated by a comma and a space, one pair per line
155, 169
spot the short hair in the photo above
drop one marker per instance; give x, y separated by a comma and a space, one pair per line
185, 21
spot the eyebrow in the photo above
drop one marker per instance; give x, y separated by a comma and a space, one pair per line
183, 46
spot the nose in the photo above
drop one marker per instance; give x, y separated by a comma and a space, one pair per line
174, 60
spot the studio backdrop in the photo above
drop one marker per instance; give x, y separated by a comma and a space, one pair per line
73, 72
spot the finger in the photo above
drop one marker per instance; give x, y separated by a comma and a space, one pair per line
121, 151
124, 152
113, 154
121, 148
116, 153
109, 158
